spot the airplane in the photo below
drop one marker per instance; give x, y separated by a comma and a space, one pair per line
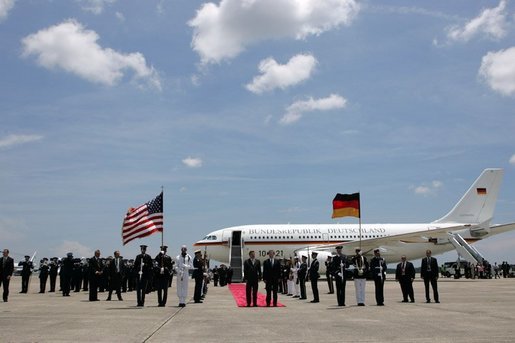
469, 221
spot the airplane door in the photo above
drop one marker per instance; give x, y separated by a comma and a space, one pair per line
325, 237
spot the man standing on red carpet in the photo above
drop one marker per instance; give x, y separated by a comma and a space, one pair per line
251, 275
271, 276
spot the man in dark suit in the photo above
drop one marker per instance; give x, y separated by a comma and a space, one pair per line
271, 276
405, 274
65, 274
164, 263
314, 276
26, 272
116, 270
6, 272
96, 268
252, 274
338, 269
378, 268
429, 272
302, 274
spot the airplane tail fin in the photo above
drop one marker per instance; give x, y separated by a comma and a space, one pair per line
478, 203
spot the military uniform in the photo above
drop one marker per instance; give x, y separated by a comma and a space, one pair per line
198, 276
52, 273
314, 276
184, 264
164, 265
43, 275
26, 272
360, 276
302, 274
378, 268
143, 268
66, 274
339, 270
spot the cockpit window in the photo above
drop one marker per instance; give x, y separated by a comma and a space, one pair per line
210, 238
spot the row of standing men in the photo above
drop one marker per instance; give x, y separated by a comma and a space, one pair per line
340, 268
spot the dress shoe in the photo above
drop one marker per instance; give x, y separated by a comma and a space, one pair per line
198, 302
412, 301
342, 305
182, 305
380, 304
255, 305
361, 304
314, 301
437, 301
295, 296
108, 299
405, 301
161, 305
120, 299
428, 301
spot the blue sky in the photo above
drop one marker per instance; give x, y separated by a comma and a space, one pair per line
247, 112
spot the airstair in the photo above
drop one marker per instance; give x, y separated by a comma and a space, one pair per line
235, 260
465, 250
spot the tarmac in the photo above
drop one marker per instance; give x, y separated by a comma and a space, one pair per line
470, 311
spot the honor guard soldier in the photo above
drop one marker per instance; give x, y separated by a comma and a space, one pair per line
184, 264
251, 276
302, 274
360, 276
6, 272
339, 270
26, 272
116, 271
429, 272
66, 274
164, 264
313, 276
329, 277
198, 276
378, 268
405, 274
96, 269
143, 268
43, 274
52, 273
271, 277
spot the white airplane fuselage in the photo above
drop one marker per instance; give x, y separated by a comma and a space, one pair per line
290, 240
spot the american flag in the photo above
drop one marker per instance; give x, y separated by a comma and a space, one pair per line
144, 220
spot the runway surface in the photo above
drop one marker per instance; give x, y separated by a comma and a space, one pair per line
470, 311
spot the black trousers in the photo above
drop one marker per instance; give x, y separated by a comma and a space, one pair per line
198, 289
407, 289
314, 288
252, 290
162, 289
65, 283
53, 278
141, 289
434, 285
272, 287
379, 285
42, 283
93, 288
115, 285
340, 290
5, 285
330, 283
25, 283
302, 283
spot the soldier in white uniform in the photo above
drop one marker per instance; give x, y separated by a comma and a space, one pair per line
184, 263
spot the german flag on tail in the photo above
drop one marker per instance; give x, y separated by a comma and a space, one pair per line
346, 205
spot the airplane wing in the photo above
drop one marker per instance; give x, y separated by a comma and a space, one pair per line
368, 245
497, 229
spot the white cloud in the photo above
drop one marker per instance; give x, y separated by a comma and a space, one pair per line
192, 162
71, 47
498, 70
5, 7
95, 6
11, 140
223, 31
74, 247
274, 75
512, 160
491, 23
426, 189
120, 16
294, 111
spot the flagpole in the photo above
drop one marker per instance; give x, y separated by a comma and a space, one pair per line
163, 229
359, 210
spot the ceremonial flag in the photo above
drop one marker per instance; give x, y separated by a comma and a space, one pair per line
144, 220
346, 205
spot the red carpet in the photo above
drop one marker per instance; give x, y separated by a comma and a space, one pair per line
239, 294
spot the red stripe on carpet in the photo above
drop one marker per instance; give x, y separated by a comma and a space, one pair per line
238, 291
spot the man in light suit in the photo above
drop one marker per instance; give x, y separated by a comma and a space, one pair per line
429, 272
405, 274
252, 274
271, 276
6, 272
